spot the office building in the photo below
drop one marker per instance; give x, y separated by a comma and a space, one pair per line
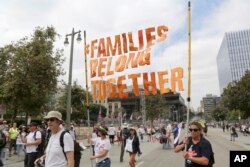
233, 58
209, 103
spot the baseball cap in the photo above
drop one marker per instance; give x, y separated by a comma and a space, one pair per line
33, 124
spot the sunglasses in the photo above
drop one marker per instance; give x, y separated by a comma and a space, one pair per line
51, 119
195, 130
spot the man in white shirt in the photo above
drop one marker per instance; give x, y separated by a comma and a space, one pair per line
55, 154
111, 133
31, 141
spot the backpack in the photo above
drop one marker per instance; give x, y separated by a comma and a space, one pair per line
125, 133
41, 147
2, 139
77, 149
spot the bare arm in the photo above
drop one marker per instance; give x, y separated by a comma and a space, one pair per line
198, 160
36, 142
70, 158
179, 147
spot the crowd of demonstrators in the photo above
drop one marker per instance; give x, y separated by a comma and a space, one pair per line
197, 150
102, 148
46, 144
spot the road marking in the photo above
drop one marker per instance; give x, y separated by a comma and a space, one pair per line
140, 164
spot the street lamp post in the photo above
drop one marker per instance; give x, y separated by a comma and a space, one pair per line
66, 42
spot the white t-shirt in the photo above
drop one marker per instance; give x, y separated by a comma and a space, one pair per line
30, 139
54, 152
111, 130
19, 139
101, 145
141, 131
94, 138
73, 134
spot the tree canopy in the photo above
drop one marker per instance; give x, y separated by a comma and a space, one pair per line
29, 72
236, 97
78, 100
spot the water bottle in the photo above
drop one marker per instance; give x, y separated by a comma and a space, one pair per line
189, 151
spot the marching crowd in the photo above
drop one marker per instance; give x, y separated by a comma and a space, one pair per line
50, 145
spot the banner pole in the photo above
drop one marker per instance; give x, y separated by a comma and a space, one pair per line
189, 65
86, 78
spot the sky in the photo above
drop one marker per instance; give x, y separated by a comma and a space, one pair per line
210, 20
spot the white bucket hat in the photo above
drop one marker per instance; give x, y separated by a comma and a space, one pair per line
54, 114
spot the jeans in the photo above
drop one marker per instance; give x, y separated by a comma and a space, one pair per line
104, 163
19, 148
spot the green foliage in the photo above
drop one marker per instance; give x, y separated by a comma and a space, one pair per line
78, 100
219, 114
233, 115
237, 96
29, 71
155, 106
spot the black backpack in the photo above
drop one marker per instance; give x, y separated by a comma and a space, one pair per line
2, 139
125, 133
41, 146
77, 149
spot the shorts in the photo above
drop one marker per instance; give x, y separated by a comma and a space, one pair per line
111, 136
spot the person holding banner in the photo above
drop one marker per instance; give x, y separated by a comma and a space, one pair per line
197, 151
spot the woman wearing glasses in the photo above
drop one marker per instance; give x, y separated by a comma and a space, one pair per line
54, 154
197, 151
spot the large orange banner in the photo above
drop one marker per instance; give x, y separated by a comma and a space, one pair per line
110, 57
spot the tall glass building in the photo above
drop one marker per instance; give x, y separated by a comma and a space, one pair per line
233, 58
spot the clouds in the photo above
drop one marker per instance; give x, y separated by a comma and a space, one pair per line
101, 18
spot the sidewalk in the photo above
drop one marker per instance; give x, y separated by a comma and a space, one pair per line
243, 141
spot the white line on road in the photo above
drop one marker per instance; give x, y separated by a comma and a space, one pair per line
140, 164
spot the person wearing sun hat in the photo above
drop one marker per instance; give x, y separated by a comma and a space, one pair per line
102, 148
54, 156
